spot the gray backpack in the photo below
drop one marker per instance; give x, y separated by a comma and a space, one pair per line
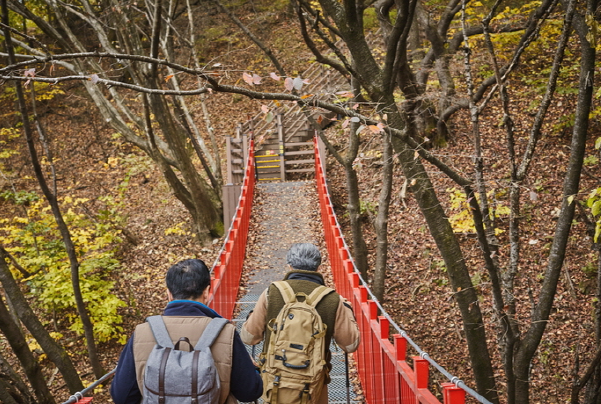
174, 376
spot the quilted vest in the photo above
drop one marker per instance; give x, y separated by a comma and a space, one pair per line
191, 327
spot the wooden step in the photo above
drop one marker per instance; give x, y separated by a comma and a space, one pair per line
293, 144
291, 162
299, 152
301, 170
268, 170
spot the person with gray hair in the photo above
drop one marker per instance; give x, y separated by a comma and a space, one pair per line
336, 313
304, 256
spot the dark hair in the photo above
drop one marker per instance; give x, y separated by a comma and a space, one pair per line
304, 256
188, 279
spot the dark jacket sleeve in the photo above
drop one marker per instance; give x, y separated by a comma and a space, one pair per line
124, 387
246, 384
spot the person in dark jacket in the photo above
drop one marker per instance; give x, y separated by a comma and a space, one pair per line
335, 312
186, 314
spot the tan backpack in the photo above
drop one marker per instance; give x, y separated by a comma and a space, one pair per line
293, 367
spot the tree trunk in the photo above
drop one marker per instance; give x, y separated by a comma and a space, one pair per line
352, 188
205, 205
13, 384
19, 345
527, 347
457, 271
203, 208
380, 85
593, 387
381, 223
54, 351
7, 393
354, 212
51, 198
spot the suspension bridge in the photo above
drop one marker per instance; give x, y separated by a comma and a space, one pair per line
381, 363
385, 373
274, 151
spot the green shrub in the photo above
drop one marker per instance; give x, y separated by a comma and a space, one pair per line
37, 244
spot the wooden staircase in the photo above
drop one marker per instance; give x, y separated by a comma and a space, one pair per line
284, 147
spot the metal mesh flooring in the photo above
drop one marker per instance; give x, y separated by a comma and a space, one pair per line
337, 390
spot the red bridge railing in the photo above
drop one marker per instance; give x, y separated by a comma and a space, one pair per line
385, 375
227, 270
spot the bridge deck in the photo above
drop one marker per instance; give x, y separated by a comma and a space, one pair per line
282, 215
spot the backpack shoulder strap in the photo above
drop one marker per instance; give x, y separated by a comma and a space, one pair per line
159, 330
286, 291
318, 293
210, 334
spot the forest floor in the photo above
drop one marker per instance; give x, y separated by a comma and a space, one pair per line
93, 163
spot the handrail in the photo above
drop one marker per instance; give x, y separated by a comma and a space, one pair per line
227, 268
384, 373
79, 396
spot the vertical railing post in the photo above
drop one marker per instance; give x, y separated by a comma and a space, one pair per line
245, 150
282, 147
228, 154
422, 372
372, 347
400, 352
452, 394
322, 152
380, 368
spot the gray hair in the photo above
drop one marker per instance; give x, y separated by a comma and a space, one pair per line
304, 256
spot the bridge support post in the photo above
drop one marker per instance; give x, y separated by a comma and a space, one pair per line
452, 394
282, 148
231, 194
422, 372
322, 152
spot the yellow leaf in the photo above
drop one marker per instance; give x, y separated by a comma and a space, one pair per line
112, 161
306, 96
374, 129
168, 78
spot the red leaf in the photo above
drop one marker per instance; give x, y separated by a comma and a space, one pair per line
247, 77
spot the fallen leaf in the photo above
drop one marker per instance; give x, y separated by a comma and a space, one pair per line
247, 77
298, 83
288, 84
